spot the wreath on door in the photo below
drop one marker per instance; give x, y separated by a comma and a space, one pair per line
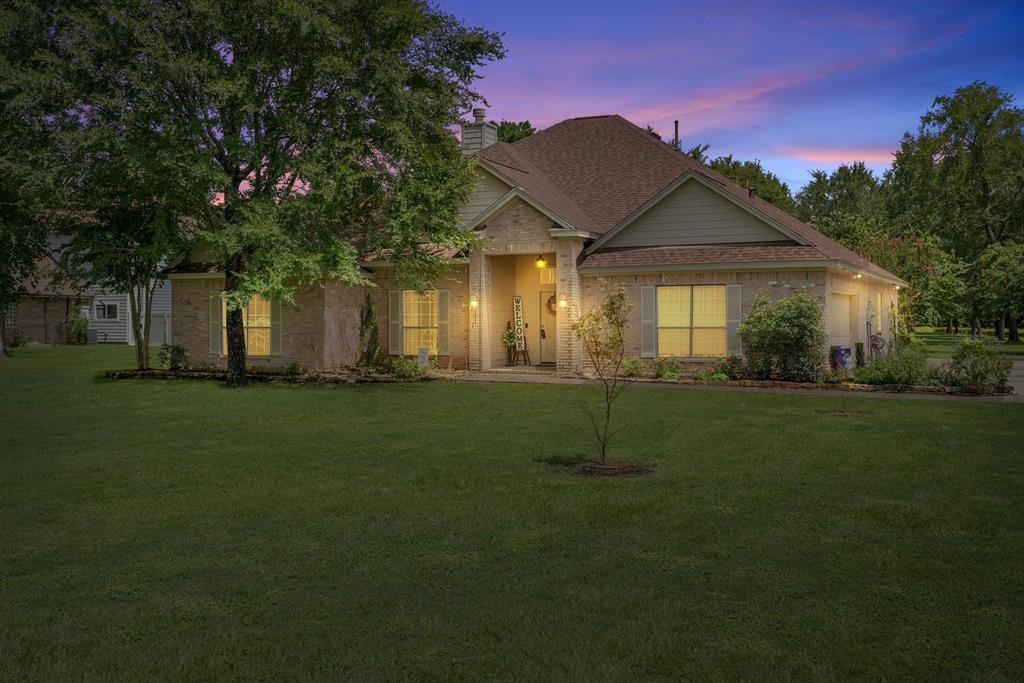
552, 305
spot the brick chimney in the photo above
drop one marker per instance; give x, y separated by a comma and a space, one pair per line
479, 134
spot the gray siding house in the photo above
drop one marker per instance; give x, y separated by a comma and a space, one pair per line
110, 316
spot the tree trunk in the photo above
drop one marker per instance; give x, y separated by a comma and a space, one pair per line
949, 326
3, 335
975, 328
1000, 321
235, 330
1014, 336
956, 325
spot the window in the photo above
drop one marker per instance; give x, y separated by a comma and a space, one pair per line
106, 311
256, 320
11, 317
419, 321
691, 321
547, 275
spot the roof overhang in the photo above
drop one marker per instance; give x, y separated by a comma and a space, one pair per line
689, 267
859, 272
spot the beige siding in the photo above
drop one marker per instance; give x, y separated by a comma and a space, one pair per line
488, 191
693, 214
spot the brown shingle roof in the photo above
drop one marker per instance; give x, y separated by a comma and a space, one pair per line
715, 253
596, 171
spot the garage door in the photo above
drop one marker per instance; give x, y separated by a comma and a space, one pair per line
839, 332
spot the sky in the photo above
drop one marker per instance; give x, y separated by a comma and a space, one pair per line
797, 85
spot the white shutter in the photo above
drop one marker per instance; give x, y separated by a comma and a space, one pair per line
733, 318
648, 322
395, 333
443, 319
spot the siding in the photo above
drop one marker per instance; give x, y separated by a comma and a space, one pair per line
694, 214
489, 190
110, 331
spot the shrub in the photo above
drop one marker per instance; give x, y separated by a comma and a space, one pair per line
400, 367
710, 375
666, 366
369, 333
976, 363
632, 367
785, 339
73, 331
669, 376
733, 367
15, 337
294, 368
909, 365
172, 357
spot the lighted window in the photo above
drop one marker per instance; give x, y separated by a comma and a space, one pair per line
256, 321
547, 275
419, 321
691, 321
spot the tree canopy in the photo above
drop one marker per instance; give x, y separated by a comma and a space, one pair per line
514, 131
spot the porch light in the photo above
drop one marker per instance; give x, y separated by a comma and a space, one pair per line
897, 287
473, 303
562, 303
858, 276
540, 262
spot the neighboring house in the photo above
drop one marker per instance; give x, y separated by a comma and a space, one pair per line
110, 316
51, 299
585, 201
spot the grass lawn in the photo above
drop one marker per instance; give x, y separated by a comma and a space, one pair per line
941, 345
181, 530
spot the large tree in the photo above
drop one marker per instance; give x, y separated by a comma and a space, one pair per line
851, 189
325, 127
23, 144
961, 175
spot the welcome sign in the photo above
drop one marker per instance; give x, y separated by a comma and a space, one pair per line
517, 322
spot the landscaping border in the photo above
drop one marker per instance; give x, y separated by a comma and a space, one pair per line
353, 377
985, 390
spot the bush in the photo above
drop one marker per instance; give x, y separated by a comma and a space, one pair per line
400, 367
172, 357
976, 363
15, 337
710, 375
73, 331
294, 368
909, 365
733, 367
785, 339
632, 367
665, 368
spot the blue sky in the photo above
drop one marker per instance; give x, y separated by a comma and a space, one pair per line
798, 86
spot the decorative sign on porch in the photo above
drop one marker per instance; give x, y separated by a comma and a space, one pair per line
517, 322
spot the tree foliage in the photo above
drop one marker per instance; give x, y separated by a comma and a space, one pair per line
785, 339
850, 189
602, 333
747, 174
320, 129
514, 131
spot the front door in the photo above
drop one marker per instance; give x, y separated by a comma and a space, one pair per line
548, 327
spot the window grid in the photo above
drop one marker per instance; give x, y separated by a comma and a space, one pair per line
419, 321
256, 321
106, 311
11, 316
691, 320
547, 275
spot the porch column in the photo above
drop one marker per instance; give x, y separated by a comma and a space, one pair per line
570, 353
480, 312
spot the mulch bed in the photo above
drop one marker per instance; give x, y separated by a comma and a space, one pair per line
986, 390
611, 469
339, 377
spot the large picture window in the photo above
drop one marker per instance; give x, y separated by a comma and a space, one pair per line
419, 321
691, 321
256, 320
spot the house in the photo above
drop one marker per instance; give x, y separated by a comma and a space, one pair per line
49, 301
110, 316
588, 200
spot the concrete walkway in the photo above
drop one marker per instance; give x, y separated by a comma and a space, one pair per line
1017, 380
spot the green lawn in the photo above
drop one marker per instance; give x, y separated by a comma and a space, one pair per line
941, 345
180, 530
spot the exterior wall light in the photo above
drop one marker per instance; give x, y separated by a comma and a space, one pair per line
473, 303
858, 276
562, 303
540, 262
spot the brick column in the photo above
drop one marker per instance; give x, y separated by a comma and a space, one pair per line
479, 315
570, 353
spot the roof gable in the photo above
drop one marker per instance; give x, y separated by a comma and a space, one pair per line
488, 190
693, 212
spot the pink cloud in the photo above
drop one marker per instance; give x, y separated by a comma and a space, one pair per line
840, 155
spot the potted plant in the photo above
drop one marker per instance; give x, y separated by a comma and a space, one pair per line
509, 340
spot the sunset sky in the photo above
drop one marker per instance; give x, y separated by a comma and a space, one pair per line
797, 87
